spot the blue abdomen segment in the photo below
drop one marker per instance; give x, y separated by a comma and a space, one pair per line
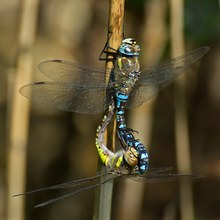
128, 140
127, 137
143, 157
121, 99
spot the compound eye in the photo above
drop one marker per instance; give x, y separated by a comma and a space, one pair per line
127, 49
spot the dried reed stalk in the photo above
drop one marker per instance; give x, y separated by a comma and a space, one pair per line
19, 112
181, 123
103, 200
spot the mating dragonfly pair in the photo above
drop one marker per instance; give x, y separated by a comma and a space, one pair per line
77, 88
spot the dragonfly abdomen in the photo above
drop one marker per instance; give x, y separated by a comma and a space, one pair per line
128, 141
143, 157
121, 99
110, 159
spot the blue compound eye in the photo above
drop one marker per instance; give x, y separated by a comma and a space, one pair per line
128, 50
129, 47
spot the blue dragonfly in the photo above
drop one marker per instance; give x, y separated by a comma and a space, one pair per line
77, 88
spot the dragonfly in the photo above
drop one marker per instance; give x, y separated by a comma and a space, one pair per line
77, 88
116, 169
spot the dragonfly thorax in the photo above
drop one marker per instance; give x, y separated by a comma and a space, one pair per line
127, 71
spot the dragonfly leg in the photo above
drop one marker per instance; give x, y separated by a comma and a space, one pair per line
132, 130
106, 48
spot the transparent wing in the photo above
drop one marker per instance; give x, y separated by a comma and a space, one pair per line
160, 175
82, 185
111, 177
73, 97
69, 184
74, 88
154, 79
66, 71
79, 89
93, 182
163, 177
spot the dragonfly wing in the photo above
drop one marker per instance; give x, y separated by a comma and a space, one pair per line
157, 170
141, 94
71, 97
66, 71
76, 192
166, 177
159, 175
69, 184
154, 79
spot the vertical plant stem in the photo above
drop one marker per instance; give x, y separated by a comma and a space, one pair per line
103, 200
181, 123
19, 112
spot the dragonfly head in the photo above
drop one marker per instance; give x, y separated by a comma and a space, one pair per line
131, 157
129, 47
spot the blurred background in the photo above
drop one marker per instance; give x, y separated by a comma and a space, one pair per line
41, 147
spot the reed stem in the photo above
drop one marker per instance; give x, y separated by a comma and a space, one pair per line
19, 111
103, 200
181, 122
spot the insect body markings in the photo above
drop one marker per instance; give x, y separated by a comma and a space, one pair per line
127, 71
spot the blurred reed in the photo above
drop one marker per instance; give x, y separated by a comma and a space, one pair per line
19, 110
181, 122
155, 37
103, 198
